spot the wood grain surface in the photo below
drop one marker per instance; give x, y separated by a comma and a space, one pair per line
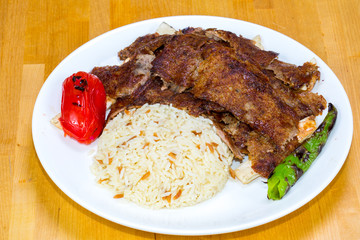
36, 35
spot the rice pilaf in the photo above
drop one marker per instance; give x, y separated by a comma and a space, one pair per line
161, 157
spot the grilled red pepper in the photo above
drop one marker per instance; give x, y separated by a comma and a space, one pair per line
83, 107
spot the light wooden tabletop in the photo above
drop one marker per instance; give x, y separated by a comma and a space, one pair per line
36, 35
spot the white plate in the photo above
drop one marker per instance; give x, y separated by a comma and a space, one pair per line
238, 206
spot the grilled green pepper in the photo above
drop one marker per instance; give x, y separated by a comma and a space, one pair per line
292, 168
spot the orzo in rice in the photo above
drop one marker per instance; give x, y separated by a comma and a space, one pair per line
161, 157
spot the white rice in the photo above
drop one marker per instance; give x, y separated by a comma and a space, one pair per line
161, 157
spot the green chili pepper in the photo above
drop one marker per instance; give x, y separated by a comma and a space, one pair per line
292, 168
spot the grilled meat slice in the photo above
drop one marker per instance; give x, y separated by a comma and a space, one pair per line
301, 78
304, 103
191, 57
192, 30
123, 80
264, 155
232, 131
315, 102
179, 59
153, 93
235, 146
147, 44
244, 91
245, 49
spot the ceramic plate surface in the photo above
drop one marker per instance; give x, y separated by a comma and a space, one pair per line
235, 208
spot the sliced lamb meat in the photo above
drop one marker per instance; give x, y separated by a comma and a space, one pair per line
213, 72
153, 93
237, 149
297, 77
236, 132
179, 59
315, 102
304, 103
123, 80
147, 44
264, 155
244, 91
301, 78
245, 48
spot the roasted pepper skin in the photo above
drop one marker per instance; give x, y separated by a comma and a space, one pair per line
83, 107
292, 168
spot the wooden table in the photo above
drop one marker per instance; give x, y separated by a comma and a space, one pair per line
36, 35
